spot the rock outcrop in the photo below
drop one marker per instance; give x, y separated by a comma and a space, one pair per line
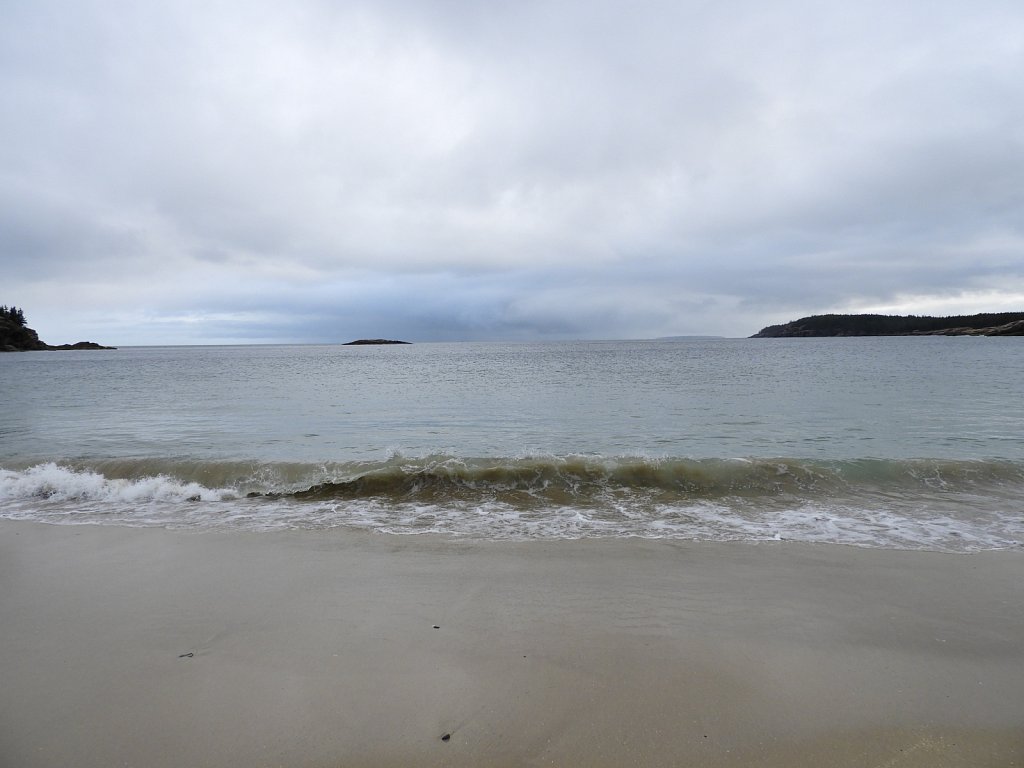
361, 342
15, 337
80, 345
18, 338
1015, 328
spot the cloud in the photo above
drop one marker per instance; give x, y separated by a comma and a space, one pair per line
530, 170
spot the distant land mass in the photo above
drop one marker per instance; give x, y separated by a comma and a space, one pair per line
686, 338
16, 336
360, 342
987, 324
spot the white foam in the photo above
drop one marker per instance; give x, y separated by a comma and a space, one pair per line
56, 484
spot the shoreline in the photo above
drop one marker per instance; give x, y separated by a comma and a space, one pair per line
317, 648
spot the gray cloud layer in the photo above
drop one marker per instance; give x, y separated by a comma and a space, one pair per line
313, 171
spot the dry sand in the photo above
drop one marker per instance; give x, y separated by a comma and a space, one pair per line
150, 648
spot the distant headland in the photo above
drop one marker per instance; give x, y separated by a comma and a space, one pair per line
688, 338
16, 336
987, 324
361, 342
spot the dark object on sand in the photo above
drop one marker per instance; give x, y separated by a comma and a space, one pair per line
446, 737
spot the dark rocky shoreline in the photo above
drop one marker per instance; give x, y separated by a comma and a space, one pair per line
21, 338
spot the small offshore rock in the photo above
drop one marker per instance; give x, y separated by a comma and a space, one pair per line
361, 342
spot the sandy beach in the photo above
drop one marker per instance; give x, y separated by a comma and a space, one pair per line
132, 647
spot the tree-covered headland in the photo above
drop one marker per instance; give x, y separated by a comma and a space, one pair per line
985, 324
16, 336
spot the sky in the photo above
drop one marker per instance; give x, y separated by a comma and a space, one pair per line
219, 171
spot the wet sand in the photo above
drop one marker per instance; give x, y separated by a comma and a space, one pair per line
155, 648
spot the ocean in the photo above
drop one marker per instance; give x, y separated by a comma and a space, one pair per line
898, 442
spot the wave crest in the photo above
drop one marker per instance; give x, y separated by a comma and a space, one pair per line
917, 504
574, 479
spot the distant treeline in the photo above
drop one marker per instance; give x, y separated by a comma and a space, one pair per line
14, 314
888, 325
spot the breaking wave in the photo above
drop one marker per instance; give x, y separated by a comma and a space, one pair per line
917, 504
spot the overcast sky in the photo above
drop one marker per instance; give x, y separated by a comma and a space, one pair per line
225, 171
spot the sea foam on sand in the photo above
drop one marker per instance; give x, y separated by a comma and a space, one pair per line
316, 648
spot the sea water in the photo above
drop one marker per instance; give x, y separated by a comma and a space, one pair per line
887, 442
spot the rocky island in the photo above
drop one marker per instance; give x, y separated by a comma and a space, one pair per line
362, 342
986, 324
16, 336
